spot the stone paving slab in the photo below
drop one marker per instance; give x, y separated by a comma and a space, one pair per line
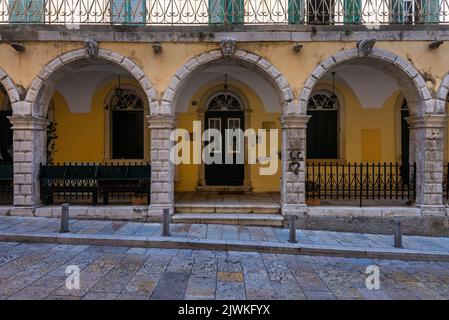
221, 237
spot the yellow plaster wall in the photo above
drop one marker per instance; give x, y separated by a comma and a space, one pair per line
22, 68
188, 173
81, 136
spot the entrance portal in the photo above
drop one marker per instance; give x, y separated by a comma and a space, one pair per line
224, 111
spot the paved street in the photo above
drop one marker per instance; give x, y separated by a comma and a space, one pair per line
37, 271
36, 225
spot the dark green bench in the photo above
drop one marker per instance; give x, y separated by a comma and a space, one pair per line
94, 179
6, 183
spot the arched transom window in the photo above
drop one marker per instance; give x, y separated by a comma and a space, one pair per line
224, 102
322, 128
127, 125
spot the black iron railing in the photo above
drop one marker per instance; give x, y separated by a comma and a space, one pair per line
172, 12
445, 181
78, 182
6, 183
360, 181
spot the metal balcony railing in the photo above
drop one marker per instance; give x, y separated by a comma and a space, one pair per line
216, 12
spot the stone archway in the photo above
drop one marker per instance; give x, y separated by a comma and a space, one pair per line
30, 118
442, 94
426, 119
39, 93
248, 61
11, 89
412, 82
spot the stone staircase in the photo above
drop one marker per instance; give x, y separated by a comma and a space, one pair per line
263, 214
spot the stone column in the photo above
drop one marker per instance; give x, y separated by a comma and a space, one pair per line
29, 147
428, 132
162, 169
293, 183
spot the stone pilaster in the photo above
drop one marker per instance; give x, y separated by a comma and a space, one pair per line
293, 164
428, 132
29, 147
162, 169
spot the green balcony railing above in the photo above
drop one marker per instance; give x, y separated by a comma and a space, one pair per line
218, 12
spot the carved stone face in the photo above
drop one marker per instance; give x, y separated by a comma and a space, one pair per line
228, 47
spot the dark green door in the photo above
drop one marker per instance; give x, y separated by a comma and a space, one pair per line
127, 131
5, 138
225, 174
322, 134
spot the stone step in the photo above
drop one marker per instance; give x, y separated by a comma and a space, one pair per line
244, 219
228, 208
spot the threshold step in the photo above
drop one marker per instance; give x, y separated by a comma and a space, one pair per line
228, 208
275, 220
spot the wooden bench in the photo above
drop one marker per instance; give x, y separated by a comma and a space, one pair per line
94, 179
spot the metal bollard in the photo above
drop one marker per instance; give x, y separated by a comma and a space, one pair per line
166, 223
292, 228
64, 218
397, 233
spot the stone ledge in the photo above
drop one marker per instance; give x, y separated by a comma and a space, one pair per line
226, 245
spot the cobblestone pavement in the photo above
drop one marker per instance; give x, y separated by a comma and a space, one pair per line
37, 271
37, 225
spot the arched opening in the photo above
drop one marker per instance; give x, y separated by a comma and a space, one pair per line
368, 170
231, 93
96, 112
6, 147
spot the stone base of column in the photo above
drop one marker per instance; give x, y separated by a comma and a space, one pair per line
158, 209
429, 210
293, 209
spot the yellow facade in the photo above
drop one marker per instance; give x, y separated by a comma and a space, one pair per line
365, 134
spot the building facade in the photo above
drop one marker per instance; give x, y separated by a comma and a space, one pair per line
356, 92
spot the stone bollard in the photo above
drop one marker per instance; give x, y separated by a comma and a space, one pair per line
166, 223
64, 218
292, 228
397, 233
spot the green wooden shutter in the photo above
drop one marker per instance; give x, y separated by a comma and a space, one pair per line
216, 11
295, 11
26, 11
430, 11
352, 11
397, 11
235, 11
128, 11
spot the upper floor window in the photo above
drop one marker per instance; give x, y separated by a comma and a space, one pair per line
127, 125
322, 128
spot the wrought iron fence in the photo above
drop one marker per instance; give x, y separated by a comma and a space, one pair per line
360, 181
90, 182
172, 12
446, 181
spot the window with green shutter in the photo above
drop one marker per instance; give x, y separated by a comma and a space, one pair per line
29, 11
128, 11
352, 11
430, 11
295, 11
397, 11
226, 11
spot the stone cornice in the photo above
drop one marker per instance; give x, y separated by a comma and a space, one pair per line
428, 121
204, 33
28, 122
160, 122
294, 121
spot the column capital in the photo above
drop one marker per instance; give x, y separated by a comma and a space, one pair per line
294, 121
161, 122
428, 121
28, 122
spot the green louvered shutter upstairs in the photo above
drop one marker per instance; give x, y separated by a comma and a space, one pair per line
430, 11
295, 11
216, 11
128, 11
397, 11
26, 11
352, 10
235, 13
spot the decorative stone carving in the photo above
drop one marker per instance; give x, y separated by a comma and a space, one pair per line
91, 48
228, 47
366, 46
435, 44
